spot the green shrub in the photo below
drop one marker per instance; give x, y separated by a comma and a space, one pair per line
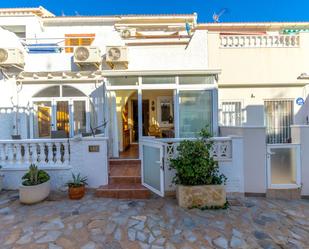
194, 165
34, 176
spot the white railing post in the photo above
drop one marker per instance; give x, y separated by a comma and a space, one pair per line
26, 154
2, 154
58, 153
66, 156
49, 153
18, 153
10, 153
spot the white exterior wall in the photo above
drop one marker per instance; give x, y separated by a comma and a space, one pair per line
300, 135
258, 74
81, 161
254, 156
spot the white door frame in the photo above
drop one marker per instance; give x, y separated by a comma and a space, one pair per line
298, 166
70, 100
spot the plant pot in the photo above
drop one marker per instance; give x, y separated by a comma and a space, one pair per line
76, 193
1, 182
34, 194
201, 196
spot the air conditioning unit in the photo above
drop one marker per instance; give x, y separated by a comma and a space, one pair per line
116, 54
87, 55
11, 57
127, 33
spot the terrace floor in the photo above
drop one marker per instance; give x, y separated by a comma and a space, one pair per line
155, 223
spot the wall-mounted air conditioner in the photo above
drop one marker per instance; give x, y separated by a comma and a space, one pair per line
87, 55
11, 57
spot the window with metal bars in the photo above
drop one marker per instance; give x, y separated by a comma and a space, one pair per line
231, 113
278, 120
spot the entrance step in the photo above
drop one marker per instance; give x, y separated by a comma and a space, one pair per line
284, 194
124, 181
122, 167
123, 191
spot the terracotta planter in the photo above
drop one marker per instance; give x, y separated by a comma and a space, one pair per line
76, 193
201, 196
34, 194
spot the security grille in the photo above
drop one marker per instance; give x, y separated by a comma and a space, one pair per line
231, 113
278, 121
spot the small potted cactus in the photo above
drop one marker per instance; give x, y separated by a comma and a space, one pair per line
35, 186
77, 186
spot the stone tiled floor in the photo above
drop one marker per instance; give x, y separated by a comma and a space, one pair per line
155, 223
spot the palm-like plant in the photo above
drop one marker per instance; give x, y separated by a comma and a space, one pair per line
77, 181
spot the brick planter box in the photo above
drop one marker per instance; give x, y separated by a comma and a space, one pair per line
201, 196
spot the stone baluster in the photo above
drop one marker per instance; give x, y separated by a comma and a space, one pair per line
50, 153
27, 154
2, 154
66, 155
41, 155
10, 153
58, 153
34, 157
19, 156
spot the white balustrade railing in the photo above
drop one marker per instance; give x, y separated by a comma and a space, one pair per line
221, 149
259, 41
43, 152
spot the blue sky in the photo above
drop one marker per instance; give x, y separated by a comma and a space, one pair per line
238, 10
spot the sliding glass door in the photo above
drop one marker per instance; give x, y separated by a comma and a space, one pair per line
195, 112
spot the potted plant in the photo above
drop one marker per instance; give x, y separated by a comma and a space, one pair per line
1, 179
77, 187
35, 186
198, 181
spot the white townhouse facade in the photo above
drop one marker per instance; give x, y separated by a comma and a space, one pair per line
133, 86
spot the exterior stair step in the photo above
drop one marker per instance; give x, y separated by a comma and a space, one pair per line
124, 179
125, 168
123, 191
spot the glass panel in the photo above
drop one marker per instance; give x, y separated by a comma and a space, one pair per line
283, 165
158, 80
196, 79
195, 112
53, 91
79, 117
68, 91
151, 167
43, 119
123, 81
63, 123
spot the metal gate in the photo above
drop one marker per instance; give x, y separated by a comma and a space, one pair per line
278, 120
283, 166
151, 152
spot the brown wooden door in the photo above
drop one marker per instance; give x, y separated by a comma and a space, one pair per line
44, 121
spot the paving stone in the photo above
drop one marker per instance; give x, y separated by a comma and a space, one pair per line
53, 246
221, 242
89, 245
25, 239
49, 237
131, 234
236, 242
52, 225
141, 236
156, 223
